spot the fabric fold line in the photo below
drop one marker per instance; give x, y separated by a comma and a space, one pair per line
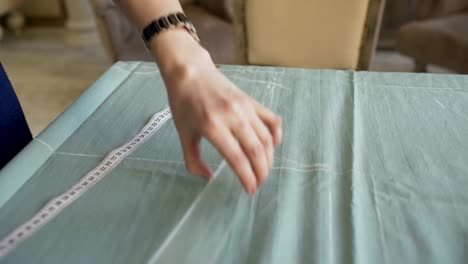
202, 233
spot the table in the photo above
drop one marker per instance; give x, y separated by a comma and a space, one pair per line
373, 168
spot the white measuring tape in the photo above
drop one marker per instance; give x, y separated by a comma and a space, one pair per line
57, 204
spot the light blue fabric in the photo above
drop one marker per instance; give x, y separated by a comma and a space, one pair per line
13, 176
373, 168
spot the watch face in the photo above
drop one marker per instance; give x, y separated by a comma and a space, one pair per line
190, 27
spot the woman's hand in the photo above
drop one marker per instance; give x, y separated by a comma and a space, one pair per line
205, 103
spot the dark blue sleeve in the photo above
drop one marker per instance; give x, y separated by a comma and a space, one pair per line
14, 131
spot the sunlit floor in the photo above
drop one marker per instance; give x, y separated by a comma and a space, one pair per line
48, 72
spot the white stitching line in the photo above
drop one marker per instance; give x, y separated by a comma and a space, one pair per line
45, 144
422, 88
271, 88
305, 167
79, 154
313, 165
314, 169
439, 103
178, 162
274, 84
250, 71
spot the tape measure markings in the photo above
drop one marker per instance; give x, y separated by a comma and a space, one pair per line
60, 202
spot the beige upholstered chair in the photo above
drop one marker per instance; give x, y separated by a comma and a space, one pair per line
212, 18
439, 36
311, 34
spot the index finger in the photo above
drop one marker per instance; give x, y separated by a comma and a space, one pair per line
227, 145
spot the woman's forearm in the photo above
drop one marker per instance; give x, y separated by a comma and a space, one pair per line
174, 50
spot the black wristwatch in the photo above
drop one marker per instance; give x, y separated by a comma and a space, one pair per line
166, 22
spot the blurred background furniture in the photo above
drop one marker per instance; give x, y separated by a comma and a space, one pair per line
439, 36
212, 18
309, 34
396, 13
14, 19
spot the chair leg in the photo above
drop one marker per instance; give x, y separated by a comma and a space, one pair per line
420, 66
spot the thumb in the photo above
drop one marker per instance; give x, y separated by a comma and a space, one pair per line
192, 156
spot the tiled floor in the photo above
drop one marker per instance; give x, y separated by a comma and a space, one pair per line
49, 72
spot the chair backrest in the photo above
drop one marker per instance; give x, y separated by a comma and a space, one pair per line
334, 34
122, 41
14, 131
221, 8
438, 8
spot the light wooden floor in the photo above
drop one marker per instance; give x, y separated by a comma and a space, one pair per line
49, 73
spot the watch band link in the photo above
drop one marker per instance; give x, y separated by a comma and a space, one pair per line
166, 22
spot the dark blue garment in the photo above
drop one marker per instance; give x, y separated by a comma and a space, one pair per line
14, 131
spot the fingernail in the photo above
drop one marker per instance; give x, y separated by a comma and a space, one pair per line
280, 137
207, 174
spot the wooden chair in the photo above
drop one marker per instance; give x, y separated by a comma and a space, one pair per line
334, 34
439, 36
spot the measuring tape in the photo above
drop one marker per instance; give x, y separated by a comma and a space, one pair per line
57, 204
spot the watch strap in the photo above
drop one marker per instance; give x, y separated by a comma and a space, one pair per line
161, 24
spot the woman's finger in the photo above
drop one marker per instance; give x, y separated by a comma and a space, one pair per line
265, 137
272, 121
252, 147
193, 159
227, 145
